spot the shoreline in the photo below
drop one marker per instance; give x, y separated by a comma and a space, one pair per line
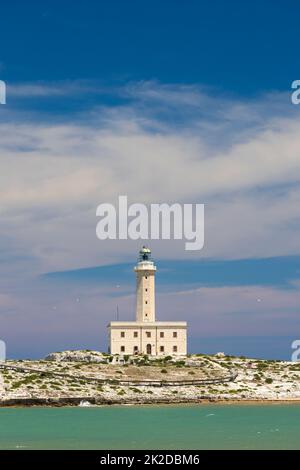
75, 402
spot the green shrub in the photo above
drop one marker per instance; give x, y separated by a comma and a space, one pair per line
135, 390
16, 384
168, 358
262, 365
113, 382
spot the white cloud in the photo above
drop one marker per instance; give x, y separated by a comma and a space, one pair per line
230, 310
239, 158
53, 89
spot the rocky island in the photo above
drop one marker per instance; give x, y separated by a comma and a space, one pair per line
93, 378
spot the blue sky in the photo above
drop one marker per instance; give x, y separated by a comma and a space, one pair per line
239, 48
162, 101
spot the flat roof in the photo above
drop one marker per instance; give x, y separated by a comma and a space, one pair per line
135, 324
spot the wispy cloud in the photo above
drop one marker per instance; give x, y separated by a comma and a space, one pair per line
54, 175
55, 89
235, 310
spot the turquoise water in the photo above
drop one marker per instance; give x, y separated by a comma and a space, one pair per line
156, 427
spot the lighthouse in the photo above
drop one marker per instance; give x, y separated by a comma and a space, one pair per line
145, 287
146, 335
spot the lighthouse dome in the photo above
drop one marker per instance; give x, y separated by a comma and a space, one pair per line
145, 254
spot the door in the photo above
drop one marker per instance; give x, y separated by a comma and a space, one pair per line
148, 348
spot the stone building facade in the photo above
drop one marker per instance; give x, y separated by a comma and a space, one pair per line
146, 335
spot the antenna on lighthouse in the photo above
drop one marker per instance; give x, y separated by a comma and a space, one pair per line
117, 309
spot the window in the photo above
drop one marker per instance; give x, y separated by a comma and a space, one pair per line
174, 334
135, 349
162, 349
148, 334
135, 334
146, 289
161, 334
122, 348
174, 348
122, 334
146, 301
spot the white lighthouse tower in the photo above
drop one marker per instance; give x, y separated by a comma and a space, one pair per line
145, 287
146, 335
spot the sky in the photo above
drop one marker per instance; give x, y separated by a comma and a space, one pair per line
171, 101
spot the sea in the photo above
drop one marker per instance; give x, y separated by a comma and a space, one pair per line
203, 426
